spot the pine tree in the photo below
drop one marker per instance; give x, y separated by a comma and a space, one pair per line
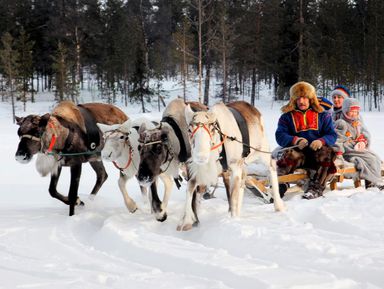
65, 82
183, 51
24, 46
9, 62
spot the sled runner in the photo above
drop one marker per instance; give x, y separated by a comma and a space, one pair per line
258, 184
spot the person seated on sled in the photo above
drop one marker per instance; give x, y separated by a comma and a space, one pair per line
339, 94
309, 129
353, 144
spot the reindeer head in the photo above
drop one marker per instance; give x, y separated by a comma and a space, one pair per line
30, 131
154, 153
116, 140
203, 134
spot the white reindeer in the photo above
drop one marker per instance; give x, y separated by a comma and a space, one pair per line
217, 130
122, 148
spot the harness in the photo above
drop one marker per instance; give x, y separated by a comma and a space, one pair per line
183, 154
92, 131
242, 124
129, 161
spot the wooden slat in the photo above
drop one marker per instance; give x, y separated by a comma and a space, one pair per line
261, 184
292, 178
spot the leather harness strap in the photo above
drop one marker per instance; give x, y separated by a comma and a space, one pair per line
242, 124
183, 155
92, 131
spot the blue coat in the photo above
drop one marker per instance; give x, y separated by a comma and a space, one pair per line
309, 124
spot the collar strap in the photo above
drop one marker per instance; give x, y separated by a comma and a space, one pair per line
128, 162
53, 139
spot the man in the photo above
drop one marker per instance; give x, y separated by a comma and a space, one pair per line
309, 130
339, 94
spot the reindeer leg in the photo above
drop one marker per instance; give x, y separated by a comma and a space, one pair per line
101, 176
53, 187
168, 184
73, 188
190, 215
156, 203
237, 189
277, 201
129, 202
225, 175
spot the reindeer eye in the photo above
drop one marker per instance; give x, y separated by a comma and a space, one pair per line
158, 148
139, 147
122, 137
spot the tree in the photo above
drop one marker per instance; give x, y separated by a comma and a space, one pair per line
183, 51
9, 61
24, 46
66, 85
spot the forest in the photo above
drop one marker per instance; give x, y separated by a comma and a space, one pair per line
125, 49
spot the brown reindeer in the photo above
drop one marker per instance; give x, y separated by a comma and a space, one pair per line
67, 137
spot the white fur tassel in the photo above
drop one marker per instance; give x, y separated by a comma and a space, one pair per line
46, 164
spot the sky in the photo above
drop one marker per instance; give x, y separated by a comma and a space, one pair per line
332, 242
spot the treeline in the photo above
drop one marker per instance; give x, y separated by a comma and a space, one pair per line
66, 45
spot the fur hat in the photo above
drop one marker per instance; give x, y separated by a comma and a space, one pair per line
302, 89
341, 90
350, 104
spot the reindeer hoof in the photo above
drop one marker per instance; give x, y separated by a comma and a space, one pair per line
162, 218
79, 202
133, 210
185, 227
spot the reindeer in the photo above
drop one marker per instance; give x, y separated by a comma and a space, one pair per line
67, 137
121, 148
225, 139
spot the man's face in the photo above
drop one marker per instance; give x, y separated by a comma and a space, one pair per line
302, 103
337, 101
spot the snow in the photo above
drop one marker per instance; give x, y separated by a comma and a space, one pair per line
331, 242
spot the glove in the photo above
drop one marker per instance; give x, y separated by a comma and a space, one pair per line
301, 142
360, 146
316, 145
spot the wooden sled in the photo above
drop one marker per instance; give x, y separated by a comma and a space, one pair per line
261, 183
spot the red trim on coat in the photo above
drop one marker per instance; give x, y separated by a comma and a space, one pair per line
303, 121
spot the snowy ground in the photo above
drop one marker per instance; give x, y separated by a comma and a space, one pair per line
331, 242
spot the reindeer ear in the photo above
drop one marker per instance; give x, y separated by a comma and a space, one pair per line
142, 128
188, 114
105, 127
211, 117
126, 126
19, 120
44, 120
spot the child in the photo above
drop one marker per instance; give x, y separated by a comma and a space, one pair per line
353, 143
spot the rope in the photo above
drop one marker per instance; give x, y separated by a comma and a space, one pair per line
232, 138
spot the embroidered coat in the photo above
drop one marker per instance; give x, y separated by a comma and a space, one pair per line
308, 124
367, 162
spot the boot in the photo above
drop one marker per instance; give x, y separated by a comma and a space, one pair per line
283, 188
314, 191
